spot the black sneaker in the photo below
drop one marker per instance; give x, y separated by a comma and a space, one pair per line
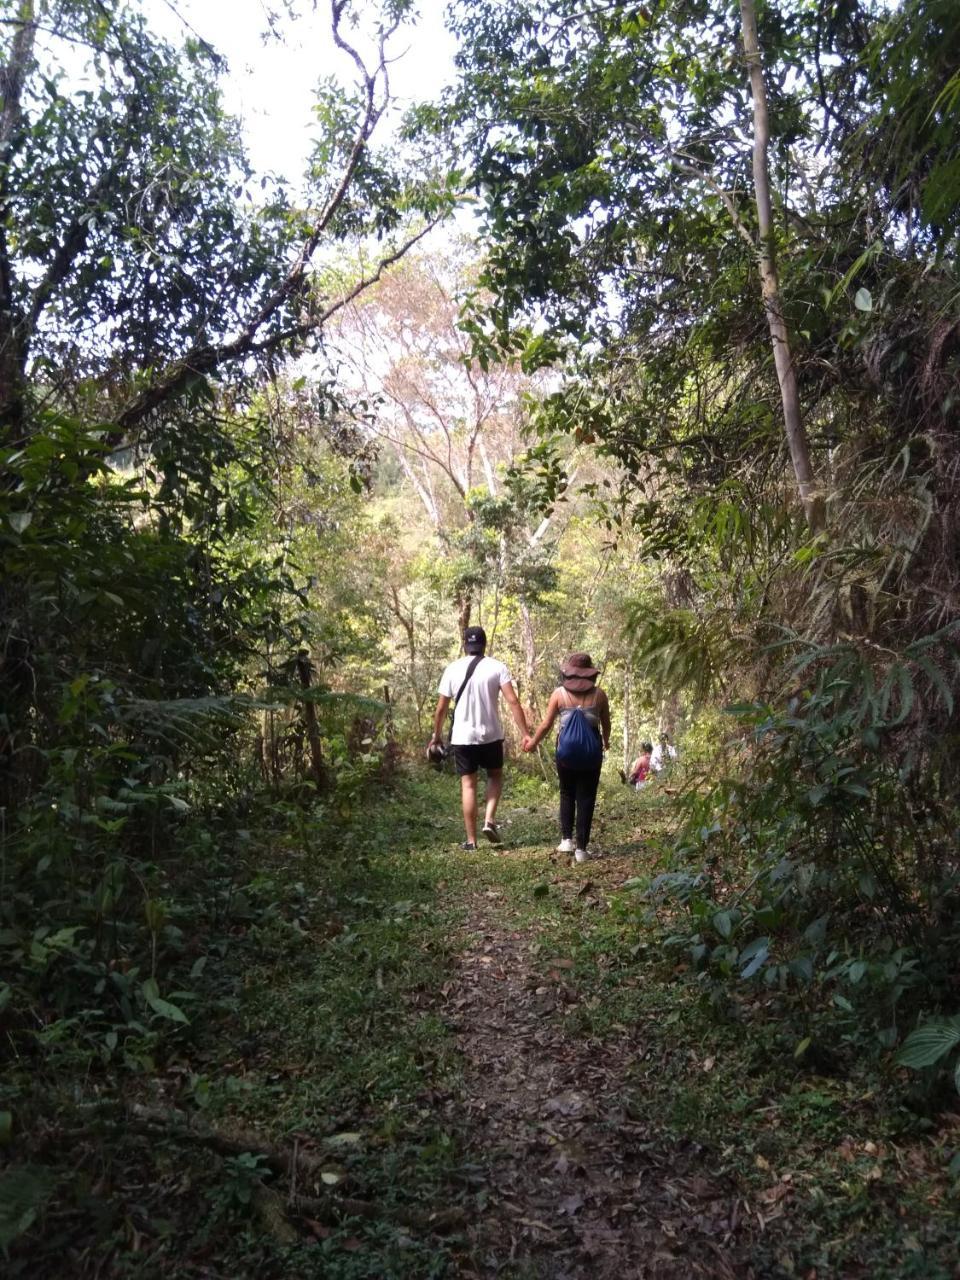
491, 831
468, 846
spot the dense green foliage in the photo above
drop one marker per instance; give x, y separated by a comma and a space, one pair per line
158, 623
610, 147
261, 460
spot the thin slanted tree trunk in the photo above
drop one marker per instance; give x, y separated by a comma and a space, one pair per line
797, 442
529, 659
304, 669
626, 720
464, 610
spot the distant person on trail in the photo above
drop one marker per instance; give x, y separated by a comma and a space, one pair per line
474, 683
640, 769
583, 737
664, 753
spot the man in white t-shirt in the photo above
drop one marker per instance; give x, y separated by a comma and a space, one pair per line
477, 736
663, 754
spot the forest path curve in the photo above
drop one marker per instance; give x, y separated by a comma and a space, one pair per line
573, 1182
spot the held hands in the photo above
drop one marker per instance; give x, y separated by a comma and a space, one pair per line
528, 743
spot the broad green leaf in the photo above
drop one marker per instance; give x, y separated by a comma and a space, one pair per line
751, 949
723, 923
929, 1043
151, 993
816, 931
754, 956
343, 1139
20, 520
22, 1195
755, 965
867, 883
168, 1010
863, 300
63, 939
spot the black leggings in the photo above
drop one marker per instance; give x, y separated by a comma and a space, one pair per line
578, 792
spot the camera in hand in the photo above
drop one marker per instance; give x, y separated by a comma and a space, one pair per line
437, 753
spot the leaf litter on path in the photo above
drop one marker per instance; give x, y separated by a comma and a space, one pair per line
572, 1185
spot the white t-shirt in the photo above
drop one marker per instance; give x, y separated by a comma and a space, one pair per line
660, 757
477, 717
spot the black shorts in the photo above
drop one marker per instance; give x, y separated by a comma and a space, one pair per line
479, 755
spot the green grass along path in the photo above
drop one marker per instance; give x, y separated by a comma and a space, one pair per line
486, 1065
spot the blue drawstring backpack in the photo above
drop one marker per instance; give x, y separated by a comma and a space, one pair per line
579, 746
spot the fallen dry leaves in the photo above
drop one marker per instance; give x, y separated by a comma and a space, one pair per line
571, 1186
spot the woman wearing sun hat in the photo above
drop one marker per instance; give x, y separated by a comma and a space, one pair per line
583, 710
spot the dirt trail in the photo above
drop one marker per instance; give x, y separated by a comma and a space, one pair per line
574, 1186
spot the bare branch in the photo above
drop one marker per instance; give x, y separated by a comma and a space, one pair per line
204, 359
307, 327
685, 165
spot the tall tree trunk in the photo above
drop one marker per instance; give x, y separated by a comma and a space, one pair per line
12, 345
409, 624
529, 659
261, 749
627, 762
304, 670
14, 74
464, 609
797, 442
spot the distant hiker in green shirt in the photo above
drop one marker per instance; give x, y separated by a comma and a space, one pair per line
477, 736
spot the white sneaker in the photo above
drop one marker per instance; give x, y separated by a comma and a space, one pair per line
581, 855
566, 846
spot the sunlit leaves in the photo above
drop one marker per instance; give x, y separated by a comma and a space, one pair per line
863, 300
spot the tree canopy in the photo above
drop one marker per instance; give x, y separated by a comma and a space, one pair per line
643, 340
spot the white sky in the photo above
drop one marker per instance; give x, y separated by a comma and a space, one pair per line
270, 84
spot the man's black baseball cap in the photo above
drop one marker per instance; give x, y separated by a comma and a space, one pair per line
474, 640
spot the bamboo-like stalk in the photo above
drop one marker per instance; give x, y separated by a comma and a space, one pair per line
797, 442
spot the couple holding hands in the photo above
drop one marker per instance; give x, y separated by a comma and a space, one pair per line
473, 684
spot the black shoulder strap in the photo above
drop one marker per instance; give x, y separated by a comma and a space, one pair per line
466, 680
